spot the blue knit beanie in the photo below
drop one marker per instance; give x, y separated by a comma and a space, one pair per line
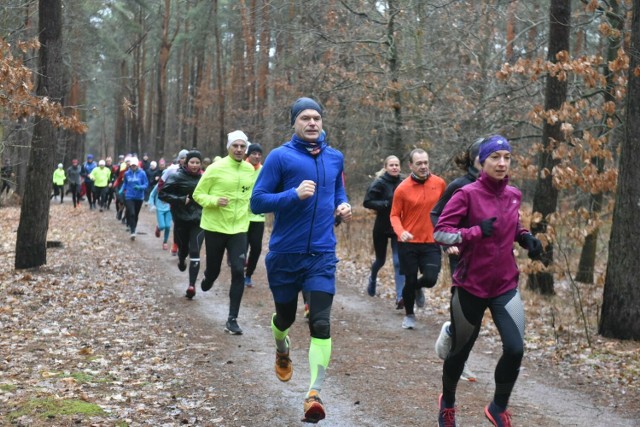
302, 104
492, 144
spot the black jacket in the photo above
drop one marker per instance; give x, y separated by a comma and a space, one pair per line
379, 197
448, 192
175, 191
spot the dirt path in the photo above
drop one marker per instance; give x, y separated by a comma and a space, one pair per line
380, 374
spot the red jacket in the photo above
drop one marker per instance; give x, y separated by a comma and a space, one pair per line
412, 204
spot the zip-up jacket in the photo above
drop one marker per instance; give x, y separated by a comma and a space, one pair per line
73, 174
87, 168
275, 191
233, 180
412, 203
135, 183
487, 266
379, 198
58, 176
252, 216
101, 176
175, 191
454, 185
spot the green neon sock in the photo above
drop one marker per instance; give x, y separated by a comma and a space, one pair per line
279, 336
319, 355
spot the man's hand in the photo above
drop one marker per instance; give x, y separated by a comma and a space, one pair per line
223, 201
344, 212
406, 236
452, 250
306, 189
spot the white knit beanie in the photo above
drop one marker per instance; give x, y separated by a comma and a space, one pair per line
236, 135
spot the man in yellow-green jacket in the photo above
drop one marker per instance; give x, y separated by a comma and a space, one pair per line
58, 182
100, 177
224, 192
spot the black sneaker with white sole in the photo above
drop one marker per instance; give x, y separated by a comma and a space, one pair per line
232, 327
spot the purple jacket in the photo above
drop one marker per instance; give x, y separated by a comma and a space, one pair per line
487, 266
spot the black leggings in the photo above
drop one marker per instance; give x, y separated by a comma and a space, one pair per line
467, 312
189, 237
319, 314
254, 245
235, 245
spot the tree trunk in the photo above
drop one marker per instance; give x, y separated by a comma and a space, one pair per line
621, 300
31, 241
220, 84
395, 144
263, 71
587, 262
120, 134
545, 198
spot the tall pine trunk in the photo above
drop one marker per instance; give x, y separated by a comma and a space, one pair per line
621, 300
545, 198
31, 241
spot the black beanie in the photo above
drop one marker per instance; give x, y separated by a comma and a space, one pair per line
191, 154
254, 148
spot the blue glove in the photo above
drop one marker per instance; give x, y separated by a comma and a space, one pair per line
121, 190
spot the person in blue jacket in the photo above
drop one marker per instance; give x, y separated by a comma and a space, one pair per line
301, 182
134, 187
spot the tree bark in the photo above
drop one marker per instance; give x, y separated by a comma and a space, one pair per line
31, 241
621, 300
545, 198
586, 266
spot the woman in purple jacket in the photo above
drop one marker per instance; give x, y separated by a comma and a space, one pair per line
482, 219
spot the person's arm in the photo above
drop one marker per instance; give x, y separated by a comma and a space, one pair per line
448, 230
267, 196
373, 199
439, 207
204, 193
396, 213
167, 192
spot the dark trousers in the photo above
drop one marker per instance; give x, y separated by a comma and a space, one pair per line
88, 186
75, 193
415, 258
100, 195
189, 238
133, 210
254, 245
235, 245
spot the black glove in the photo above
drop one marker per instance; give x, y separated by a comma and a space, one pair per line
487, 226
532, 244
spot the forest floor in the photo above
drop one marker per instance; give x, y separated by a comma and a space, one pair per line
103, 336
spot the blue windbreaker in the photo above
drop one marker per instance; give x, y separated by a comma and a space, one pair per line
300, 226
131, 181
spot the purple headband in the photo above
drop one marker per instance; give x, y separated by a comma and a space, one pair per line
492, 144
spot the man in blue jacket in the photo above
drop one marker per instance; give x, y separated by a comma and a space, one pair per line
301, 182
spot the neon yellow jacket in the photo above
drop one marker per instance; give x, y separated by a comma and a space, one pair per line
59, 176
230, 179
100, 176
256, 217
